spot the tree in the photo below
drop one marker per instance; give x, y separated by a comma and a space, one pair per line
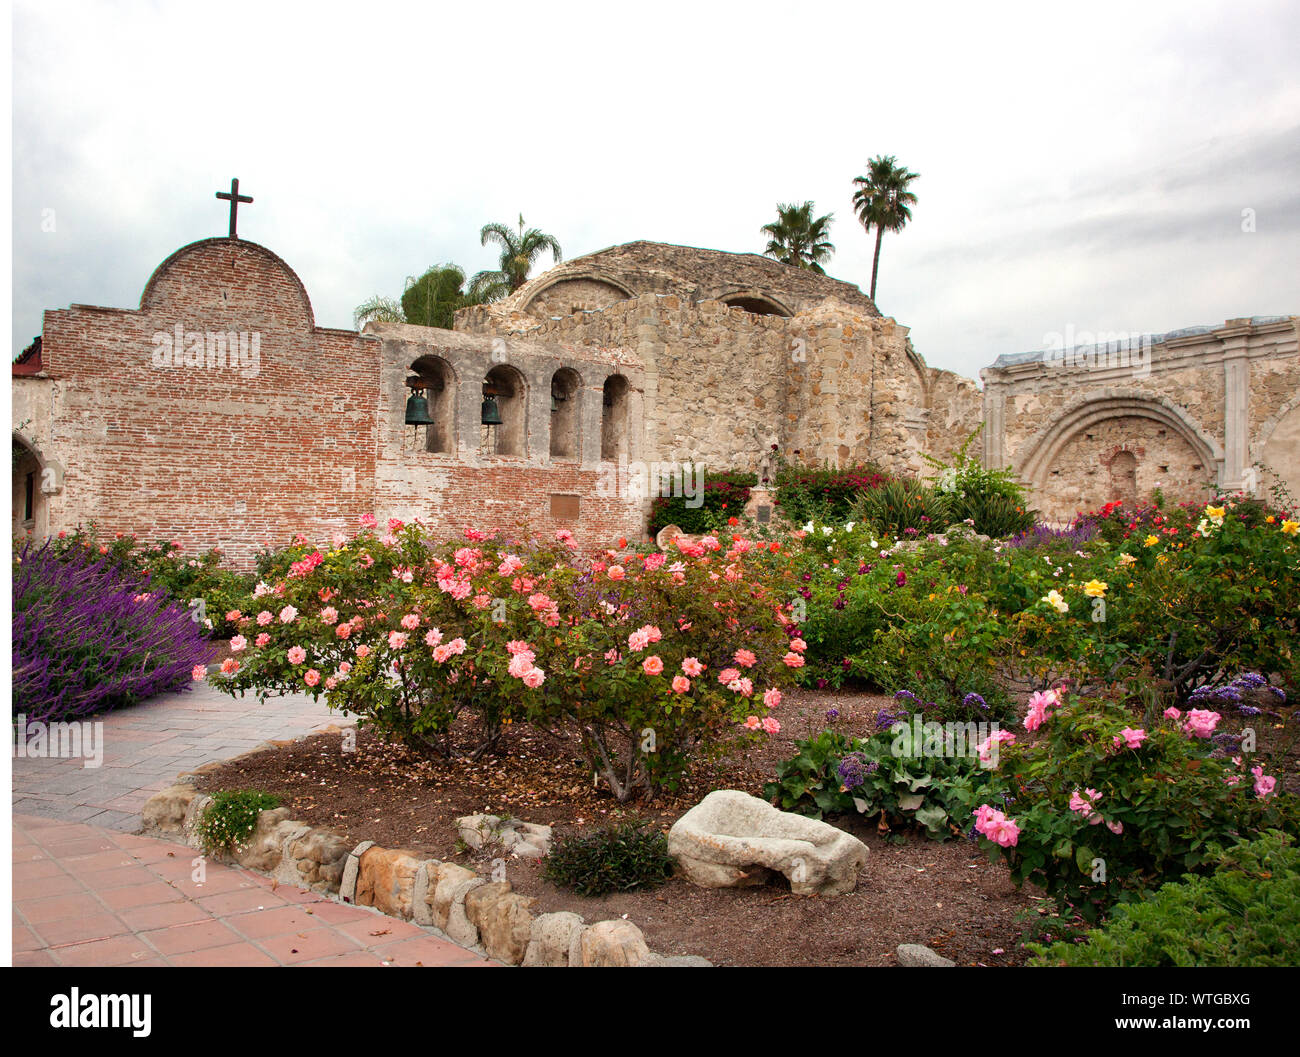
519, 251
883, 202
378, 309
432, 299
796, 238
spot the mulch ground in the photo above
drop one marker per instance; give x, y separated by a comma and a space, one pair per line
947, 896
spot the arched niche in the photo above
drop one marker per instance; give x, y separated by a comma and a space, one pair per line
439, 390
566, 407
506, 386
614, 419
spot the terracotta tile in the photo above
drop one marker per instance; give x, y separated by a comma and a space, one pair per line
80, 928
120, 950
274, 921
431, 951
147, 893
294, 947
161, 916
199, 935
241, 954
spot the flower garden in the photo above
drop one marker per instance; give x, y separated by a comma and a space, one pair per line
1125, 685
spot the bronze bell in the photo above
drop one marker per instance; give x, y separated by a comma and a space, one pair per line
491, 415
417, 410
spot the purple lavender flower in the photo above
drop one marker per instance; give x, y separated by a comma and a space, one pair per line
973, 700
832, 714
854, 769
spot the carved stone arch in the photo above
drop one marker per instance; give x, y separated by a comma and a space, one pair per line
1042, 450
588, 275
441, 388
35, 477
1277, 446
755, 301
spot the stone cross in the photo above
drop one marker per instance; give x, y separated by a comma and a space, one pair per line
234, 198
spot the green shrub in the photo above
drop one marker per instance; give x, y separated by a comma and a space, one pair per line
902, 504
617, 858
229, 821
994, 501
1100, 822
825, 495
888, 774
1246, 913
724, 495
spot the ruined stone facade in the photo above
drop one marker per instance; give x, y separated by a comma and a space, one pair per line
1184, 412
219, 413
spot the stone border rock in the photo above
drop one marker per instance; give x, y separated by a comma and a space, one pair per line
487, 917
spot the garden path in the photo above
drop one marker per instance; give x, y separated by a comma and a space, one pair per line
145, 746
90, 896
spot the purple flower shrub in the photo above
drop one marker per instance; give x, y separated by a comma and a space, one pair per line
90, 635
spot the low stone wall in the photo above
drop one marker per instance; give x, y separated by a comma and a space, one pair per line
485, 916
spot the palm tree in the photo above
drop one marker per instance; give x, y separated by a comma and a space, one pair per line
883, 202
378, 309
797, 238
519, 251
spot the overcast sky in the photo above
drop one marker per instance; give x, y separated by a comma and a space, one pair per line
1082, 165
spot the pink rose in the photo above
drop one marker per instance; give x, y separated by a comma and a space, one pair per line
411, 621
1201, 722
745, 658
616, 572
771, 725
534, 678
772, 697
345, 667
238, 643
681, 684
728, 676
198, 673
1133, 736
692, 667
363, 651
264, 618
397, 640
297, 655
287, 615
329, 615
1172, 713
1264, 784
432, 637
652, 665
261, 640
311, 677
228, 666
793, 660
752, 723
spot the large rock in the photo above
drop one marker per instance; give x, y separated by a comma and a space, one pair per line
265, 848
612, 943
551, 938
918, 956
503, 920
164, 812
731, 839
386, 881
318, 857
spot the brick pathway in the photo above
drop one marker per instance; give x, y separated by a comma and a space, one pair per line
147, 745
86, 895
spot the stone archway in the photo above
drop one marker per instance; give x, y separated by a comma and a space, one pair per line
35, 479
1277, 449
1118, 446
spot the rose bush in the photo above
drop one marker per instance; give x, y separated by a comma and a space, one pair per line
1100, 808
649, 660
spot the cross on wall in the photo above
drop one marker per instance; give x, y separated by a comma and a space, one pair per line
234, 198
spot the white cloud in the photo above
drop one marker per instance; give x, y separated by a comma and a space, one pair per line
1083, 167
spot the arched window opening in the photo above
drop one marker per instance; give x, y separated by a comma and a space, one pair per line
613, 419
433, 379
502, 418
1123, 477
565, 408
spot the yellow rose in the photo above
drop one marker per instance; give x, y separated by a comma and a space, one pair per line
1095, 589
1214, 512
1291, 527
1151, 541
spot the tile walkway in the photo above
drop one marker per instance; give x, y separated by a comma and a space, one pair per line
147, 745
89, 896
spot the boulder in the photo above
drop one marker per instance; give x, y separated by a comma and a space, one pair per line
917, 955
442, 892
612, 943
386, 881
164, 812
503, 920
265, 848
731, 839
551, 937
318, 856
